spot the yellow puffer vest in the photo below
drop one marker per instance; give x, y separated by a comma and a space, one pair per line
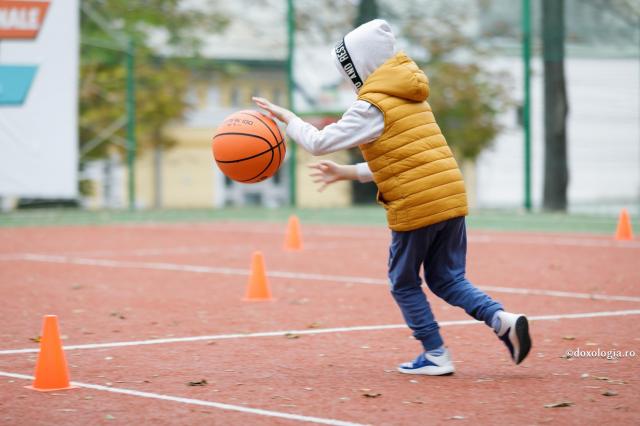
419, 182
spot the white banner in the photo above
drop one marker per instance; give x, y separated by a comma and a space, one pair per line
39, 98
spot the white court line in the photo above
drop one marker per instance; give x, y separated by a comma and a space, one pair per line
472, 238
475, 239
380, 233
191, 401
555, 293
312, 331
163, 266
178, 250
553, 240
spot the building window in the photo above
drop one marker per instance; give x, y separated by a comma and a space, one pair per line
213, 97
254, 92
277, 96
202, 98
234, 97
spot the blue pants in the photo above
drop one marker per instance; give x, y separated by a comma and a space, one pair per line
442, 250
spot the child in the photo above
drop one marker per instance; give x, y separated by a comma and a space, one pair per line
419, 184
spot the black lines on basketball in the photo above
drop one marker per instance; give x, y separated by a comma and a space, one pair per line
245, 145
263, 170
271, 147
279, 139
276, 140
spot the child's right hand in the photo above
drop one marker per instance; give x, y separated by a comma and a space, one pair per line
275, 111
328, 172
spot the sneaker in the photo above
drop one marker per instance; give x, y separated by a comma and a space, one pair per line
514, 332
429, 364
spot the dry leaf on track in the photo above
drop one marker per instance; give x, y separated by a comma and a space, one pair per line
559, 404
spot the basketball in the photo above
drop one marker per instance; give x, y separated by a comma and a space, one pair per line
248, 147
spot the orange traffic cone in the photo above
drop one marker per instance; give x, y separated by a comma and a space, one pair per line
258, 287
624, 232
293, 238
51, 368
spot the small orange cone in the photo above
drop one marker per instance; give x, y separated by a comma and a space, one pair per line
293, 238
624, 232
258, 287
51, 368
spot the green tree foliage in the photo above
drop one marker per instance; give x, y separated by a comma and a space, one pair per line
466, 100
164, 32
466, 96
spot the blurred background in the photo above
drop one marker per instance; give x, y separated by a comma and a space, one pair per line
112, 104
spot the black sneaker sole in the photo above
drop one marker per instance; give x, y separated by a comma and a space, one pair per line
522, 332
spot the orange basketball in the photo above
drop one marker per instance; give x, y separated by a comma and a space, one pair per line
248, 147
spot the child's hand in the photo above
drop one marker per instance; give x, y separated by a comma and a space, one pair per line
328, 172
274, 110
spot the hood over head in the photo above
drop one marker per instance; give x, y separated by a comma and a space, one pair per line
363, 50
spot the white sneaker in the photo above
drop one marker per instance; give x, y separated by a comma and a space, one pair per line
514, 332
429, 365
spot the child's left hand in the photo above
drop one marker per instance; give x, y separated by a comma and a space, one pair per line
327, 172
274, 110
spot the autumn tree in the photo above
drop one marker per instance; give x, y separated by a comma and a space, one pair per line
467, 97
164, 33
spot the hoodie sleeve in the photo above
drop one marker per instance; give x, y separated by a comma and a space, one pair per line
361, 123
364, 172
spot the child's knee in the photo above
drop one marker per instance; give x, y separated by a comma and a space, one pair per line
400, 288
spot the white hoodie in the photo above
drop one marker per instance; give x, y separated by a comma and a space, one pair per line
368, 47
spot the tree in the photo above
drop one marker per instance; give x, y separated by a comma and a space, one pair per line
161, 74
627, 11
556, 173
467, 97
367, 11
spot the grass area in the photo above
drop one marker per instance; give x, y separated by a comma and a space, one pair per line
369, 215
